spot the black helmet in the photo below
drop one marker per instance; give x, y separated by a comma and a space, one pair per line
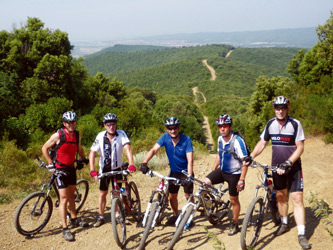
280, 100
172, 121
224, 119
69, 116
110, 117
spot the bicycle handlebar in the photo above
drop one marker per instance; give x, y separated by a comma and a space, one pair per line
152, 173
112, 173
192, 178
255, 164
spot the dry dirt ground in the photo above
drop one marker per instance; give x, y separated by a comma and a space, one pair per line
317, 164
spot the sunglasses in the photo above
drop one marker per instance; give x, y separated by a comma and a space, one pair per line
111, 124
280, 108
173, 128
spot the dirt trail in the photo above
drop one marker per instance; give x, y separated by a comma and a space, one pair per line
205, 126
229, 53
101, 238
211, 69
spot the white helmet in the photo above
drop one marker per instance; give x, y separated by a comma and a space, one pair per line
280, 100
224, 119
69, 116
172, 121
110, 117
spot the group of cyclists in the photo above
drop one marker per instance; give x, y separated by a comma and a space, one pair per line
230, 165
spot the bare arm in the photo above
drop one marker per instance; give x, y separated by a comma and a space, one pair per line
189, 157
298, 152
128, 150
258, 148
55, 138
151, 153
92, 155
81, 151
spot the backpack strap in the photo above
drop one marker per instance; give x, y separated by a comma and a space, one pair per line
232, 149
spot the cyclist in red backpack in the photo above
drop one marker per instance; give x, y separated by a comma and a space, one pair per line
68, 145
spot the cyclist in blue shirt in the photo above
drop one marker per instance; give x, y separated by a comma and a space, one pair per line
179, 150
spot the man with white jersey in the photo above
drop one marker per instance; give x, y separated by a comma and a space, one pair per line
110, 143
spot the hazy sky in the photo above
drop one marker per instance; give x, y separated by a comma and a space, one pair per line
101, 20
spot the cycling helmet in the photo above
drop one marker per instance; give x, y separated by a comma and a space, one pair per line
69, 116
110, 117
280, 100
224, 119
172, 121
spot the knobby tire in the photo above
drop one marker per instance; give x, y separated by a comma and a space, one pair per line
30, 218
180, 227
217, 213
81, 193
252, 223
118, 222
148, 224
134, 198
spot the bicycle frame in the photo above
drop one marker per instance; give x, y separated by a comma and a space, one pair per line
214, 194
162, 192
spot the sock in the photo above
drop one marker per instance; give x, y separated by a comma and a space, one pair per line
284, 220
301, 229
101, 217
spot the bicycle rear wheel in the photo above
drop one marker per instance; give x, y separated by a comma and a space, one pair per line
180, 227
81, 193
134, 198
33, 213
151, 217
252, 223
118, 222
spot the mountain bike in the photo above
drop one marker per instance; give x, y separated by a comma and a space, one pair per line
209, 200
259, 206
157, 204
125, 201
35, 211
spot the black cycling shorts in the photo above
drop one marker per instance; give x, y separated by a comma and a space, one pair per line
293, 181
104, 182
218, 176
65, 177
174, 189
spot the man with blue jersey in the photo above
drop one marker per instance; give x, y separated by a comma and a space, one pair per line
229, 165
179, 150
287, 136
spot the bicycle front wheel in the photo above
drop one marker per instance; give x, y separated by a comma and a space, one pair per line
81, 193
118, 222
252, 223
180, 227
134, 198
163, 199
33, 213
151, 217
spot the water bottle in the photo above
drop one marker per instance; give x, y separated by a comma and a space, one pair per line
123, 191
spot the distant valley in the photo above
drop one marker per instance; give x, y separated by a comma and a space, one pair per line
300, 38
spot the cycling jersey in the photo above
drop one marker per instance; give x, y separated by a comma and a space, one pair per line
284, 139
228, 163
113, 151
66, 153
176, 154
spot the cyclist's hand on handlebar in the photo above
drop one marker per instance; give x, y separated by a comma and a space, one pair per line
284, 168
144, 168
51, 167
94, 175
240, 185
131, 169
248, 160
